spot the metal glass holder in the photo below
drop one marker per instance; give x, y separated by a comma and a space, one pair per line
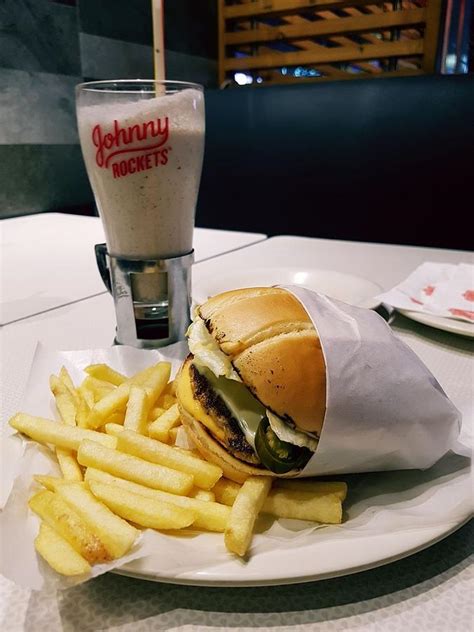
152, 297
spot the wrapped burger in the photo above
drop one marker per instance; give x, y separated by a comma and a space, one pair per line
287, 382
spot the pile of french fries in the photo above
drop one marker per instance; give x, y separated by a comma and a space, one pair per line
122, 472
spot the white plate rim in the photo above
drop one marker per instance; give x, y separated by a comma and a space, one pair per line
438, 322
372, 288
423, 542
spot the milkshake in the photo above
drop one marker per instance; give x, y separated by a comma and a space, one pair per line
144, 159
143, 145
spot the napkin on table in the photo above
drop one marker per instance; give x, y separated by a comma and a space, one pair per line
440, 289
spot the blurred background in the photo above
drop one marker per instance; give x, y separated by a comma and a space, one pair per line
339, 119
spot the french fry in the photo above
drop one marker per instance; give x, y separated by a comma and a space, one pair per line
156, 382
67, 380
137, 410
50, 482
65, 401
115, 533
210, 516
66, 405
99, 388
203, 494
58, 553
155, 412
56, 513
117, 418
288, 503
173, 434
114, 401
68, 464
226, 491
246, 507
113, 429
166, 400
83, 409
134, 469
205, 474
105, 373
314, 487
159, 429
144, 511
87, 395
57, 434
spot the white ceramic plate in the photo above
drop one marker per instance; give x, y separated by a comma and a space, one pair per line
438, 322
390, 516
345, 287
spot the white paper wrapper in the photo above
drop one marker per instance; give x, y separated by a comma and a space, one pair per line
384, 409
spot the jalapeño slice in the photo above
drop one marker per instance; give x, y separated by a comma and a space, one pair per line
276, 455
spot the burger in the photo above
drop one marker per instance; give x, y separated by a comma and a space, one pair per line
252, 391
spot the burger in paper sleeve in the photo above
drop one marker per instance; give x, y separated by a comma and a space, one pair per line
287, 382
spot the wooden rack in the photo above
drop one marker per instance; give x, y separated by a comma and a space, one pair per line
287, 41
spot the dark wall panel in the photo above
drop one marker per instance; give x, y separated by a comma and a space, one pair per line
37, 35
41, 178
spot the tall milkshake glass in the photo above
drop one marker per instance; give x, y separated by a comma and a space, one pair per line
143, 145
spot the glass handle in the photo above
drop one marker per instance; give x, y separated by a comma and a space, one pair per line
101, 258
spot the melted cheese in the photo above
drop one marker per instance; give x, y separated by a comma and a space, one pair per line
247, 410
186, 398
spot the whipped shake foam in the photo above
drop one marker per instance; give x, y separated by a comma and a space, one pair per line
144, 159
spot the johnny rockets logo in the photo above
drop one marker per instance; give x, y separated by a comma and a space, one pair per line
127, 150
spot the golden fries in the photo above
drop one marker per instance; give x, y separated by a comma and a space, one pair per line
292, 503
285, 503
137, 410
98, 388
113, 429
205, 474
147, 512
91, 454
245, 510
59, 554
115, 533
66, 379
68, 464
156, 381
59, 516
121, 470
65, 401
313, 487
50, 482
114, 401
160, 428
202, 494
59, 435
105, 373
210, 516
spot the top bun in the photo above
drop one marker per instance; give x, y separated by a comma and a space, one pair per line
275, 348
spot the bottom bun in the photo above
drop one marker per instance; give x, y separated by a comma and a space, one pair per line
212, 451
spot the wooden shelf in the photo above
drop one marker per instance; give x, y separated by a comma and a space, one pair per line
326, 40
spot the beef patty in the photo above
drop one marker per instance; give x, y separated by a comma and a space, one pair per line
234, 439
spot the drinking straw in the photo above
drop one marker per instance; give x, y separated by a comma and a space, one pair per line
158, 40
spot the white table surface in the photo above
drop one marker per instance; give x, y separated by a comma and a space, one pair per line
48, 260
432, 590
